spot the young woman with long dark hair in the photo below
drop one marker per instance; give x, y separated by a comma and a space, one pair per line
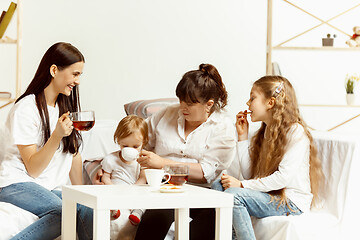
44, 150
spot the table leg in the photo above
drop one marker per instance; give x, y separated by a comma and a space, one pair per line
68, 220
101, 224
182, 224
223, 228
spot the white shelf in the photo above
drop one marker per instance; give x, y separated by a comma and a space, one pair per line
8, 40
7, 99
270, 47
17, 42
319, 48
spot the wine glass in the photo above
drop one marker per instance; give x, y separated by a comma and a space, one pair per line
83, 121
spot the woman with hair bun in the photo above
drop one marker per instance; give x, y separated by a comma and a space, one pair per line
197, 133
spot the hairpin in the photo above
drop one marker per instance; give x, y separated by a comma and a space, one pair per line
278, 89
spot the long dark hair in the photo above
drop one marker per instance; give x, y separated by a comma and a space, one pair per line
62, 55
199, 86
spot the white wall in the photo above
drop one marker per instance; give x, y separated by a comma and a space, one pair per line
139, 49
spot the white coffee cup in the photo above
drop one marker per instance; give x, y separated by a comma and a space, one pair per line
155, 176
129, 154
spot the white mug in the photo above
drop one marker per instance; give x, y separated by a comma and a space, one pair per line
155, 176
129, 154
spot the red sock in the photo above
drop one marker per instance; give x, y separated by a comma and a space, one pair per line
115, 214
134, 220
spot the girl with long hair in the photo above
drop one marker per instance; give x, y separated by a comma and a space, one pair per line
280, 172
44, 150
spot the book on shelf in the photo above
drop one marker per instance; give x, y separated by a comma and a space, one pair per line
2, 16
5, 95
7, 18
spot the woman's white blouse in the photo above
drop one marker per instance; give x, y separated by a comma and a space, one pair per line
212, 144
292, 173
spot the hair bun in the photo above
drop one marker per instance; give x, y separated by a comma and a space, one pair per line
212, 72
206, 68
202, 85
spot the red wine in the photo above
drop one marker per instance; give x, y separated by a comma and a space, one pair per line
83, 125
178, 179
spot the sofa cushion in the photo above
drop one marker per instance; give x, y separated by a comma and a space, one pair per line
307, 226
13, 219
90, 168
145, 108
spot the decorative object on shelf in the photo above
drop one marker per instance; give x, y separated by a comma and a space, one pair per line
2, 16
7, 18
354, 41
328, 41
350, 82
350, 99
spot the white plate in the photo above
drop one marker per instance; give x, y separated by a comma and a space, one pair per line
171, 189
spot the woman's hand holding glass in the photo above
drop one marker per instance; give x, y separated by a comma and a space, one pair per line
64, 126
228, 181
151, 160
242, 125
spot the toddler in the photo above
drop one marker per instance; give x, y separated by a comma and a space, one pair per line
121, 167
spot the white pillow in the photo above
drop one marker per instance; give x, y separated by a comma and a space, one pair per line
13, 219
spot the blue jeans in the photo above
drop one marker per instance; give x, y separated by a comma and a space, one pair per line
47, 205
248, 202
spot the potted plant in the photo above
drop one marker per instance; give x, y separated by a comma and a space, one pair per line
350, 82
328, 41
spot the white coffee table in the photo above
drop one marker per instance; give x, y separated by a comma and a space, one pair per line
102, 198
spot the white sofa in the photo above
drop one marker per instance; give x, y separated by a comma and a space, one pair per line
336, 216
333, 219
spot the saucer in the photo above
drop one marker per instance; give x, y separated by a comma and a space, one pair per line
171, 189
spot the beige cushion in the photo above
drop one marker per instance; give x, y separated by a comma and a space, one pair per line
145, 108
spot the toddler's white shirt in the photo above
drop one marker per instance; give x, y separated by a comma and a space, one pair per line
121, 172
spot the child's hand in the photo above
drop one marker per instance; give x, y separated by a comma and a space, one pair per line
228, 181
98, 176
106, 178
150, 160
242, 126
142, 177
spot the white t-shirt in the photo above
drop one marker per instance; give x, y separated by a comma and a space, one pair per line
292, 174
121, 172
24, 126
212, 144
